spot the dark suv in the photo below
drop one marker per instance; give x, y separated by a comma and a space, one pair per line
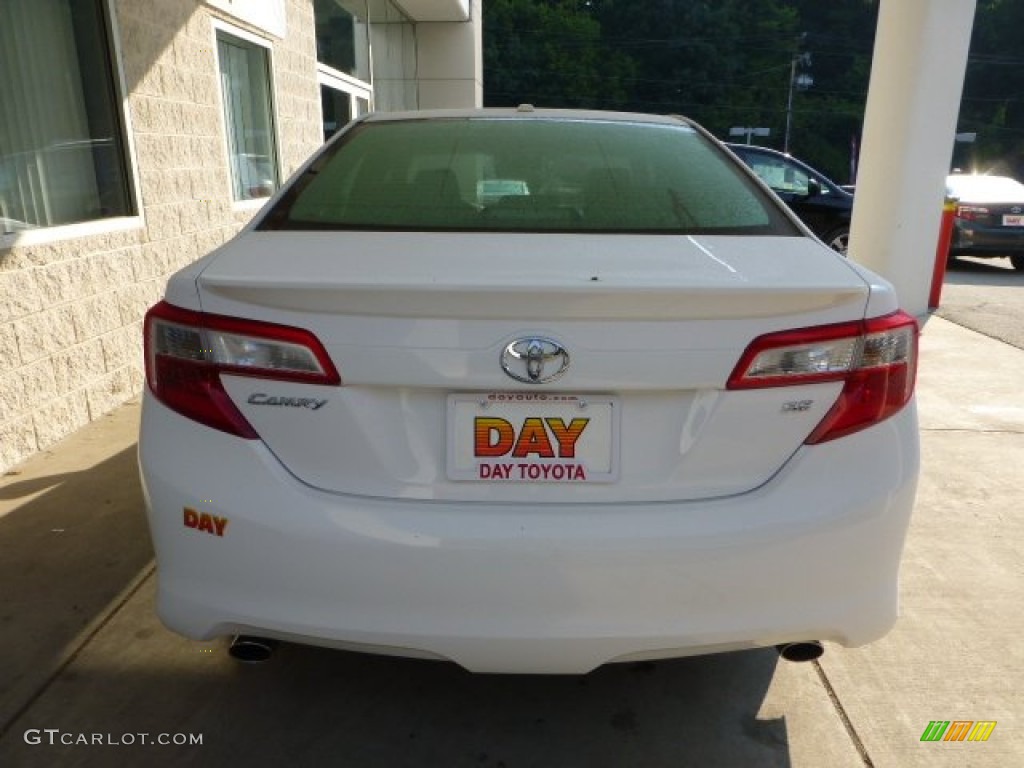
820, 203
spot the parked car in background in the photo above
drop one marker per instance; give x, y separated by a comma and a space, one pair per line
530, 391
989, 217
820, 203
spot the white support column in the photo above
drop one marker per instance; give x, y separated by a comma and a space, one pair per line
917, 77
450, 62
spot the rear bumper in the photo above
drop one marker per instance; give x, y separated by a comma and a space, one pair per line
986, 241
812, 554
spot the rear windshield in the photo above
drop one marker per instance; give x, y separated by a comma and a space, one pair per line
526, 175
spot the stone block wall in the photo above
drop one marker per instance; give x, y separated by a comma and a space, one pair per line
71, 307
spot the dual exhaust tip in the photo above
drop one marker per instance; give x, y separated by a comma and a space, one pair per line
249, 649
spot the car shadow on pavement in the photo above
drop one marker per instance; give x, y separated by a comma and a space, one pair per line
85, 656
311, 706
67, 554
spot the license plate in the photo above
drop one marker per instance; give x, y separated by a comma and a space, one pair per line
528, 437
1013, 221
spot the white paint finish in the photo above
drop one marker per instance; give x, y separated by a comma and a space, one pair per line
530, 588
409, 317
916, 80
557, 276
718, 514
394, 440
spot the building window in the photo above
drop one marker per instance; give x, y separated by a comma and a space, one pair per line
342, 41
343, 61
337, 109
248, 116
341, 100
62, 150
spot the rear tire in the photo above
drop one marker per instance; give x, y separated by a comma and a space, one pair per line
838, 239
1017, 260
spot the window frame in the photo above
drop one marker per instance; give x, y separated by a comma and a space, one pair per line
354, 88
132, 221
220, 27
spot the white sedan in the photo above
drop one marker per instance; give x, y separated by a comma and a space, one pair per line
530, 391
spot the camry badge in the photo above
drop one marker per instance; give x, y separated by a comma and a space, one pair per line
534, 360
312, 403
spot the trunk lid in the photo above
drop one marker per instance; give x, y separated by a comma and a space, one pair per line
419, 324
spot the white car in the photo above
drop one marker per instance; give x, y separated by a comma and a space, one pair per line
638, 412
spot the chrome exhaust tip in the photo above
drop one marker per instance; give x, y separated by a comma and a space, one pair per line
808, 650
251, 650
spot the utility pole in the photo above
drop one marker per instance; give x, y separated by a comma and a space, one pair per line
801, 82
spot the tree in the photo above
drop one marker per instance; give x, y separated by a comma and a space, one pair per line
702, 58
840, 35
550, 53
992, 103
727, 63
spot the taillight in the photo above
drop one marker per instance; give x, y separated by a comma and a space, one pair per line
186, 352
971, 212
875, 359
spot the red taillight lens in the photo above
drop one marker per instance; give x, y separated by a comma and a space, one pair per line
186, 352
971, 212
875, 359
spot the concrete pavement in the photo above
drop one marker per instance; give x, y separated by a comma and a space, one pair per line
985, 295
83, 656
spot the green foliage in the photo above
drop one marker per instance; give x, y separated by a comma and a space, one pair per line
992, 103
550, 53
728, 62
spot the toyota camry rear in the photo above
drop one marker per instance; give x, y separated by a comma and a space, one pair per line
529, 391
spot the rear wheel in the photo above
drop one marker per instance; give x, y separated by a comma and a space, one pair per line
1017, 260
838, 239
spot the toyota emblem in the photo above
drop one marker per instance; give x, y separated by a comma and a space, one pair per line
534, 360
